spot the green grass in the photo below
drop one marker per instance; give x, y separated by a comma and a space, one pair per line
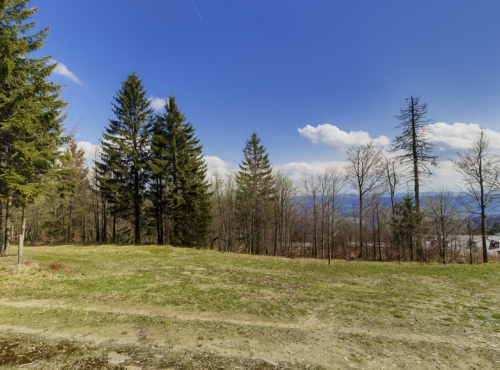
84, 289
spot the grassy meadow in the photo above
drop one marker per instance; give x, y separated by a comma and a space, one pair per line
164, 307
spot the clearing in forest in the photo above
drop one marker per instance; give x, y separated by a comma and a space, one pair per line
151, 307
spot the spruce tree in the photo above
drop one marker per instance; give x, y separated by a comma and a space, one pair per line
178, 184
255, 183
122, 175
406, 222
31, 126
78, 179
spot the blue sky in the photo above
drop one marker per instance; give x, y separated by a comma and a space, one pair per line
276, 66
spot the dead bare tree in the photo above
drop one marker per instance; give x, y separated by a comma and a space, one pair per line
414, 148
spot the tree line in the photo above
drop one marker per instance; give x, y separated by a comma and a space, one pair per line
149, 183
371, 208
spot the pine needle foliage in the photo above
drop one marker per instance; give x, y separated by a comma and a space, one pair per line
125, 150
31, 123
406, 223
179, 184
256, 184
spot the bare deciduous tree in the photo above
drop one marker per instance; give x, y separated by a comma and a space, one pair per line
477, 168
310, 191
393, 176
284, 202
442, 211
336, 202
365, 175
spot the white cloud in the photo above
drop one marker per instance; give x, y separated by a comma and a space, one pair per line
455, 136
444, 175
62, 70
296, 169
157, 103
332, 135
216, 165
460, 135
91, 150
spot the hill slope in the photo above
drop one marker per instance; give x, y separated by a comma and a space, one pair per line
162, 307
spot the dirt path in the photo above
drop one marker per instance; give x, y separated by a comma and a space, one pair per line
320, 329
324, 344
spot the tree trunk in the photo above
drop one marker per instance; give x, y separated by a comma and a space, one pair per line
379, 241
443, 241
64, 228
137, 206
275, 235
322, 228
415, 177
470, 249
329, 242
403, 248
361, 225
114, 226
483, 222
97, 222
374, 239
69, 239
1, 227
84, 231
411, 247
8, 224
315, 228
158, 227
21, 236
104, 222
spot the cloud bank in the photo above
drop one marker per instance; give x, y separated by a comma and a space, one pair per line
62, 70
460, 135
296, 169
455, 136
332, 135
444, 173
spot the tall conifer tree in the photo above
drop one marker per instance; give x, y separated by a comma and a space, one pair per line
31, 124
254, 197
179, 178
125, 150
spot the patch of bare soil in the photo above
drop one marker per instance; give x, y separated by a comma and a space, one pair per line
237, 342
38, 352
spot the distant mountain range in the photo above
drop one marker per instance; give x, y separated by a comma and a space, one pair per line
493, 213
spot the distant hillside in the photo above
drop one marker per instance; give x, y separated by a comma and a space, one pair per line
493, 213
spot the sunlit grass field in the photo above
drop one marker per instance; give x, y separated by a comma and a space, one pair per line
348, 314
